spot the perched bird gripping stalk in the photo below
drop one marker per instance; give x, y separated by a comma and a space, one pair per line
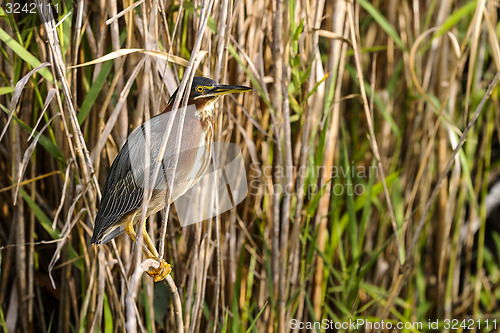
122, 200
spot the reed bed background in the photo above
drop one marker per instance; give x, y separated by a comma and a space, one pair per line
365, 200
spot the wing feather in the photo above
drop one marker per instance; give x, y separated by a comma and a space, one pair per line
124, 188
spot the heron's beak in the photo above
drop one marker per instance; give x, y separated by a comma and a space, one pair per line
228, 89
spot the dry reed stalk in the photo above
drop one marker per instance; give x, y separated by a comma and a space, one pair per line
18, 217
100, 290
31, 253
336, 64
185, 85
225, 9
121, 128
276, 111
369, 120
58, 63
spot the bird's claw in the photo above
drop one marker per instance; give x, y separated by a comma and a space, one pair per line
160, 273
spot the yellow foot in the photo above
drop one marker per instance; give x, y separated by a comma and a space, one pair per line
160, 273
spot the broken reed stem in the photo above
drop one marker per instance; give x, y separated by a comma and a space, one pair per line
131, 323
185, 86
179, 324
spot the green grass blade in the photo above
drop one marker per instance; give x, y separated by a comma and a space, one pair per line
94, 91
254, 322
384, 24
24, 54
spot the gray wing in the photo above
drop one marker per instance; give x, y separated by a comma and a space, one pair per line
120, 196
124, 188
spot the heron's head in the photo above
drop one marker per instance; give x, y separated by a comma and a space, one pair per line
204, 92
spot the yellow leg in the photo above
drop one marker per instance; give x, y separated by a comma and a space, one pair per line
149, 250
129, 228
149, 243
160, 273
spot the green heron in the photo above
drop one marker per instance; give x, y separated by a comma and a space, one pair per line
122, 200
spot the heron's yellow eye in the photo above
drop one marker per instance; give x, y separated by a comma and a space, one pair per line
200, 89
